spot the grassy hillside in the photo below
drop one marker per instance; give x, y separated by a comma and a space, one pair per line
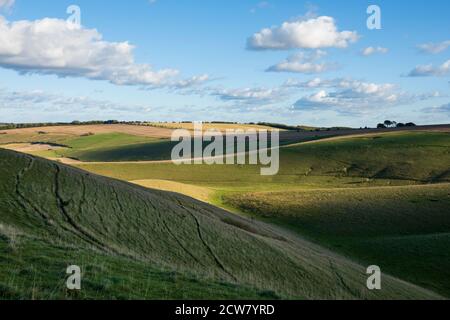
404, 230
132, 240
34, 268
411, 156
374, 160
116, 147
393, 226
105, 147
99, 147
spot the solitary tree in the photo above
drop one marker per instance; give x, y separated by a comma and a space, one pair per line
388, 123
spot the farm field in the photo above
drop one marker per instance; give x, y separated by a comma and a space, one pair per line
101, 147
125, 143
80, 130
209, 126
90, 142
119, 142
103, 143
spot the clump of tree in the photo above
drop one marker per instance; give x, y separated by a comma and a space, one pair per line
393, 124
222, 122
9, 126
280, 126
390, 124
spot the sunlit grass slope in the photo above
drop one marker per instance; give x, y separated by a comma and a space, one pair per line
111, 147
384, 159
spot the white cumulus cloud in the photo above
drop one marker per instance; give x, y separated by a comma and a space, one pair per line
314, 33
6, 3
303, 63
434, 48
259, 6
444, 109
53, 46
15, 106
373, 50
249, 95
353, 96
431, 70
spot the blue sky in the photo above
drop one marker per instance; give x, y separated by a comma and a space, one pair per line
294, 62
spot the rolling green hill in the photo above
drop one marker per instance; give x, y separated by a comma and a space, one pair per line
403, 158
110, 147
335, 185
121, 147
405, 230
138, 243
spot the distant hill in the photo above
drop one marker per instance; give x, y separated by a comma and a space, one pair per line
133, 242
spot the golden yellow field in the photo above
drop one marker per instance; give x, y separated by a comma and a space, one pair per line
209, 126
200, 193
71, 130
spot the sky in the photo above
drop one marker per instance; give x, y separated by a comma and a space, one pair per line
295, 62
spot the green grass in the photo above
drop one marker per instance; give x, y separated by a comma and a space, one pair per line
107, 140
34, 138
388, 159
129, 239
107, 147
112, 147
410, 156
404, 230
118, 147
33, 269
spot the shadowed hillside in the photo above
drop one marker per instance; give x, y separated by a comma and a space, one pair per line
406, 229
131, 240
